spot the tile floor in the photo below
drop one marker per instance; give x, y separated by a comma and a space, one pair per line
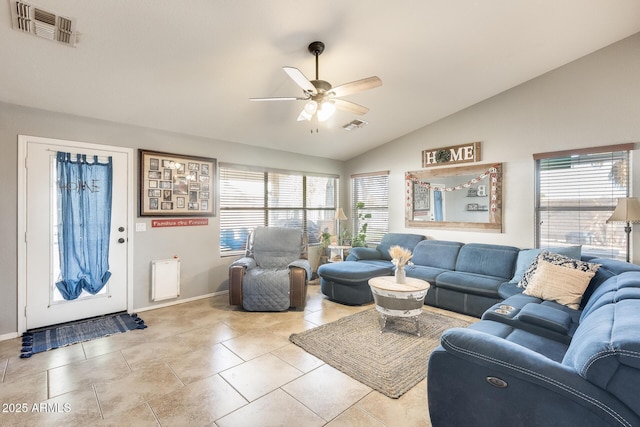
201, 363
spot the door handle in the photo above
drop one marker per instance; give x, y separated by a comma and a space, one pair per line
121, 240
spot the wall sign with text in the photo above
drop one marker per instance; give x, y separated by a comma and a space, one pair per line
464, 153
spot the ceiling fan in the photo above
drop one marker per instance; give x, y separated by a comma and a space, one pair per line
323, 99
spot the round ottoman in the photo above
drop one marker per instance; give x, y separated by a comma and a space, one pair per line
347, 282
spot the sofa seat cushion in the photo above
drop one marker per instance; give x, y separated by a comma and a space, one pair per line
549, 348
425, 273
470, 283
440, 254
351, 272
546, 317
605, 350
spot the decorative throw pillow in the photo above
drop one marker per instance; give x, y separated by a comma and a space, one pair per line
527, 256
556, 259
560, 283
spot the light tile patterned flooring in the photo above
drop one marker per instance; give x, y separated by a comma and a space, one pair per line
201, 363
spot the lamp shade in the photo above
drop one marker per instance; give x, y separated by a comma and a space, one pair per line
627, 210
340, 215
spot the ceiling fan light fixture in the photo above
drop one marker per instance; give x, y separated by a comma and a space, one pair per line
308, 111
326, 110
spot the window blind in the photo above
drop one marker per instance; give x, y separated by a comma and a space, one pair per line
251, 197
372, 190
576, 192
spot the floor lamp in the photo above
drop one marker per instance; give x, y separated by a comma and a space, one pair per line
340, 216
627, 211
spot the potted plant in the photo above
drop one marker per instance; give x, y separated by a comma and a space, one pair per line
360, 238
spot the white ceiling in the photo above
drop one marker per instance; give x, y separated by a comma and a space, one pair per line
191, 66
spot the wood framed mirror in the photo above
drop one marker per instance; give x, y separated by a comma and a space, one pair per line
465, 197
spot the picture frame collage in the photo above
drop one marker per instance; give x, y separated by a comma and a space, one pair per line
176, 185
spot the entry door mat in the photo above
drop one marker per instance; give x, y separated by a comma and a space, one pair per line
44, 339
391, 362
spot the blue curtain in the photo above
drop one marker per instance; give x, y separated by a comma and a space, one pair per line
84, 223
437, 205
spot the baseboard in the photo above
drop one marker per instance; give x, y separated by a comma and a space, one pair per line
9, 336
180, 301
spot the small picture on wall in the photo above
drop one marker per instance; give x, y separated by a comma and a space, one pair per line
421, 196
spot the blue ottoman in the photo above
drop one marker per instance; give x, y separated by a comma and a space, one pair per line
347, 282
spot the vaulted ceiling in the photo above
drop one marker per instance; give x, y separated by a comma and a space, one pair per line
191, 66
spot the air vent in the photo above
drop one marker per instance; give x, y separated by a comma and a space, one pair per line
355, 124
43, 23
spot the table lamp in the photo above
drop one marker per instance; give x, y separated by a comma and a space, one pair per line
340, 216
627, 211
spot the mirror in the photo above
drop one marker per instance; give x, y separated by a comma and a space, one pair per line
457, 197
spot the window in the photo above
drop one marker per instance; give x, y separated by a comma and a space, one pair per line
576, 192
251, 197
373, 191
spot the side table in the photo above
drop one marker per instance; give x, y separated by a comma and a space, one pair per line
337, 252
395, 301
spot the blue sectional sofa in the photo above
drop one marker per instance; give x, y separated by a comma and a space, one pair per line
534, 362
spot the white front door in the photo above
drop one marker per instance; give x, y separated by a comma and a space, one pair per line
44, 303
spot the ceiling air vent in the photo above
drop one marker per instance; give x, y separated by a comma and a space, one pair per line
355, 124
43, 23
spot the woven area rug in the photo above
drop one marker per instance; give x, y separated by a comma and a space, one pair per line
391, 362
39, 340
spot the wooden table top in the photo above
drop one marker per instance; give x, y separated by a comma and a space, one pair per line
388, 283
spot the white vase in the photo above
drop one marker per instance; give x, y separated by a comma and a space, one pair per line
400, 275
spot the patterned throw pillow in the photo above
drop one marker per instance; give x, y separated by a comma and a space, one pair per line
560, 283
556, 259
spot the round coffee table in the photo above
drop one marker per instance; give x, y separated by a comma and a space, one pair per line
396, 301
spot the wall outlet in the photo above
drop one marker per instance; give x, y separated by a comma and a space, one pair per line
141, 226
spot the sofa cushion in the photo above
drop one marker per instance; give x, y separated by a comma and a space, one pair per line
352, 272
556, 259
559, 283
608, 268
617, 288
425, 273
440, 254
527, 256
470, 283
605, 350
546, 317
488, 260
406, 240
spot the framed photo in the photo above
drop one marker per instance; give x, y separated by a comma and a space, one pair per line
421, 196
170, 184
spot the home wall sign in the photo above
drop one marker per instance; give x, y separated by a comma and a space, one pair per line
464, 153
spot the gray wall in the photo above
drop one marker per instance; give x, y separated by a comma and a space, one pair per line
594, 101
203, 271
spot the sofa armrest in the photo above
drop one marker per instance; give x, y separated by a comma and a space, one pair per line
361, 253
245, 262
545, 317
527, 371
302, 263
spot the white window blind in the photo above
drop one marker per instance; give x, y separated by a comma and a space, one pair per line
250, 197
372, 190
576, 192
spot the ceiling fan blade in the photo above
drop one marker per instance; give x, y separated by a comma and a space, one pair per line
349, 106
300, 79
288, 98
357, 86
